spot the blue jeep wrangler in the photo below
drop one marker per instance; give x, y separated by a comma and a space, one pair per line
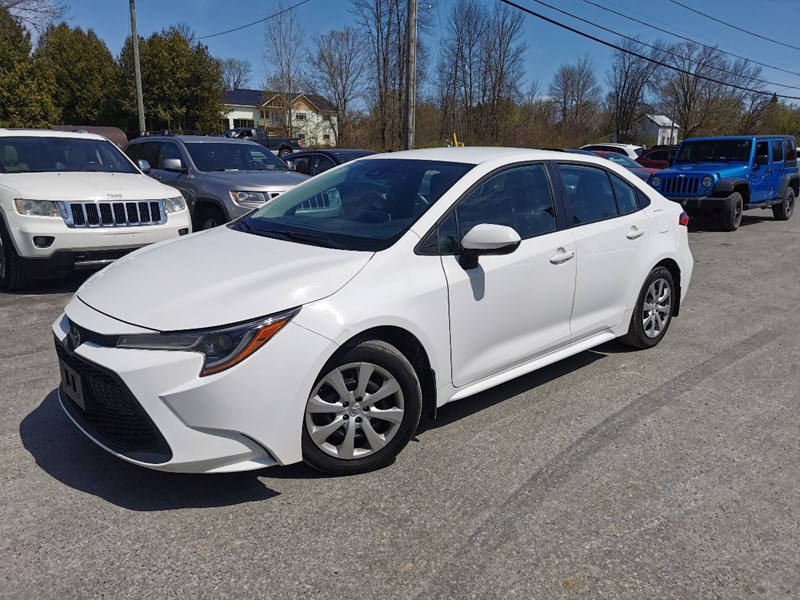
724, 176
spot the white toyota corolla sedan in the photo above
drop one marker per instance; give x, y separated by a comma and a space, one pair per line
322, 326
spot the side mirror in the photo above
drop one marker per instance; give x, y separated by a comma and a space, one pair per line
143, 165
762, 159
487, 239
174, 164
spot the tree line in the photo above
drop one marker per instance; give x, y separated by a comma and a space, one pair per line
474, 85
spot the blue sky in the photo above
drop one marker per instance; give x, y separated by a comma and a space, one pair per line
548, 46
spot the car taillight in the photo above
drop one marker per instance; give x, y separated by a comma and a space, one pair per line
683, 219
300, 143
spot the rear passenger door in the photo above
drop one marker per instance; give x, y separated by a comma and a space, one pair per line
611, 234
777, 166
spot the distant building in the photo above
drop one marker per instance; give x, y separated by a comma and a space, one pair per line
660, 128
314, 118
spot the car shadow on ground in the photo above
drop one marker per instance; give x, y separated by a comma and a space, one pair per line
64, 285
65, 454
455, 411
711, 224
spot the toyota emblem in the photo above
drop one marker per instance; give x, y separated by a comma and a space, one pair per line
74, 336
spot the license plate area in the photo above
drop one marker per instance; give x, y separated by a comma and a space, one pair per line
71, 385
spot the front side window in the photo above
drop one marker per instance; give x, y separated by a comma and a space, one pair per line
365, 205
28, 154
590, 193
232, 156
520, 198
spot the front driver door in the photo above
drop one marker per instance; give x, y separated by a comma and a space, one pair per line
510, 308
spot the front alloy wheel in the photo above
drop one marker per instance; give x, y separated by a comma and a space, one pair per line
362, 411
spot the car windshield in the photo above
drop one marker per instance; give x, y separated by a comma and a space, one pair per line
29, 154
233, 156
364, 205
715, 151
620, 159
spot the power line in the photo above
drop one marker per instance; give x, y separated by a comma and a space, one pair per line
642, 56
267, 18
664, 50
687, 39
736, 27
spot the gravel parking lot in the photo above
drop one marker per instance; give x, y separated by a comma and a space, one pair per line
668, 473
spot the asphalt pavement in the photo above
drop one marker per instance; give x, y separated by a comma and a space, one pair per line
667, 473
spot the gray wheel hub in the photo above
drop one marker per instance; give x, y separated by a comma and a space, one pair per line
354, 411
657, 309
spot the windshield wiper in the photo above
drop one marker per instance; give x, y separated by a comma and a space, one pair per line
304, 238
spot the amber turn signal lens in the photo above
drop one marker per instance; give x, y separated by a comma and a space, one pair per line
262, 336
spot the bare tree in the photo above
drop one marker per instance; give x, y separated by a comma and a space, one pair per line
284, 57
383, 22
35, 14
340, 68
577, 95
629, 78
236, 73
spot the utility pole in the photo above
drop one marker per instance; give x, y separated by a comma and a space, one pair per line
409, 122
137, 68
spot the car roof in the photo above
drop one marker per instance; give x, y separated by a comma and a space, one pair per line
205, 139
612, 144
470, 155
40, 133
740, 137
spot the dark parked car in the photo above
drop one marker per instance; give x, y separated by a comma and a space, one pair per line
630, 164
658, 157
278, 145
314, 162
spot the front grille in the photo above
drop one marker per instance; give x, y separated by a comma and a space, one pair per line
680, 186
112, 414
113, 214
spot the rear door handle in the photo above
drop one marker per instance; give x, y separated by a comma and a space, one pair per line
561, 256
635, 233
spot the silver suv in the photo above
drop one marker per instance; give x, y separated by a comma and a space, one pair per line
221, 179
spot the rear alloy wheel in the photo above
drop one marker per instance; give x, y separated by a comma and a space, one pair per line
653, 312
362, 411
13, 274
784, 210
284, 152
731, 214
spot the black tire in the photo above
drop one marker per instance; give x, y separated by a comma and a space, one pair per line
784, 210
284, 152
731, 213
14, 276
637, 337
392, 362
210, 217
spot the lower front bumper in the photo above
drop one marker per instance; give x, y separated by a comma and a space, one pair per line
247, 417
65, 261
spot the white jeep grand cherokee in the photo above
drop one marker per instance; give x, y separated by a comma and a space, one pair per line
75, 201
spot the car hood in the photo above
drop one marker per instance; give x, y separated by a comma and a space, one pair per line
217, 277
709, 168
87, 186
254, 181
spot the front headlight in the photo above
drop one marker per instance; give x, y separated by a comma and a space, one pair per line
655, 181
707, 181
36, 208
172, 205
222, 347
249, 196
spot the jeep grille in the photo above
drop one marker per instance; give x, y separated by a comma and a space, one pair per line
113, 214
673, 185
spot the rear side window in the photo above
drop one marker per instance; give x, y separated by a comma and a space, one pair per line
625, 195
777, 151
791, 152
590, 193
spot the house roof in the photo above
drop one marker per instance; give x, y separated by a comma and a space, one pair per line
663, 121
260, 97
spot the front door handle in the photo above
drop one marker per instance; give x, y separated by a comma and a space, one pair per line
561, 256
635, 233
768, 171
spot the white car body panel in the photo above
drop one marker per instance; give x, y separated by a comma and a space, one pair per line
514, 314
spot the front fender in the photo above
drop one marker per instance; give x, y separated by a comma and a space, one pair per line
726, 185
